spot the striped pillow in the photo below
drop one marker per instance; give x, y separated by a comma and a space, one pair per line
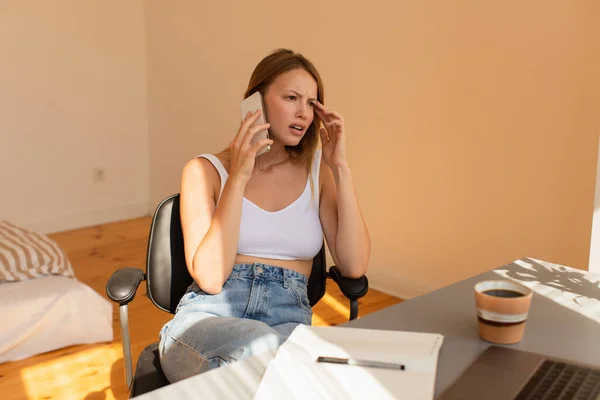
28, 255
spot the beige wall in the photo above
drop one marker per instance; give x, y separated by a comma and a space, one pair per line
472, 129
472, 126
72, 99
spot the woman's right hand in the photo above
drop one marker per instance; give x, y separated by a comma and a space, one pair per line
243, 153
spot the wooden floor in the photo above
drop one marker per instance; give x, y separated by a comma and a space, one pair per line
95, 372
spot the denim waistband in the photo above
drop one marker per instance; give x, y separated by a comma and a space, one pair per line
270, 272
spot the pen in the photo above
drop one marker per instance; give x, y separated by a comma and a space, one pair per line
361, 363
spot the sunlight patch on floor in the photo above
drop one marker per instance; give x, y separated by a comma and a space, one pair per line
332, 302
327, 305
60, 378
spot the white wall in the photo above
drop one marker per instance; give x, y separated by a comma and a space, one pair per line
595, 242
72, 98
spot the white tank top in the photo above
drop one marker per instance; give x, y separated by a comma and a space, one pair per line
292, 233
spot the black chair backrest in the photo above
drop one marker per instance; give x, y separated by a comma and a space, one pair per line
167, 277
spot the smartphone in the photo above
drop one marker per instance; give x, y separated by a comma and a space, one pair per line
251, 104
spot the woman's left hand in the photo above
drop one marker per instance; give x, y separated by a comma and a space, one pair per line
333, 137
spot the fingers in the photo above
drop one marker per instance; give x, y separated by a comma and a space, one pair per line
335, 125
259, 145
253, 131
332, 132
338, 116
332, 115
319, 105
330, 119
239, 133
246, 123
321, 108
324, 135
327, 115
322, 115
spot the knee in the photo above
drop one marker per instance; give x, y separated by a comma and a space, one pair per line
179, 361
213, 343
251, 342
233, 339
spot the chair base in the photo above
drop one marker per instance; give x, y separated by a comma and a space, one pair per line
148, 375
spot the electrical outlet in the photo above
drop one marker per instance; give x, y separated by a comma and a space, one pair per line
98, 175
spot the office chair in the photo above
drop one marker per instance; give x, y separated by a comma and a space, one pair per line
167, 280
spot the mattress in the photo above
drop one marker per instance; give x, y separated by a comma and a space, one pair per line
49, 313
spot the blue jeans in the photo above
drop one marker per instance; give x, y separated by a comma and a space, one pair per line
258, 308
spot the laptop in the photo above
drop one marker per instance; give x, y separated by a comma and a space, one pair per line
501, 373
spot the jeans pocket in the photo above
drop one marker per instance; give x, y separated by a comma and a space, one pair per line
302, 296
191, 296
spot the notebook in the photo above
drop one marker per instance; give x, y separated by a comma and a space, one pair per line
294, 373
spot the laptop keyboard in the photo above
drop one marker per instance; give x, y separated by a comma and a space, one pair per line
557, 381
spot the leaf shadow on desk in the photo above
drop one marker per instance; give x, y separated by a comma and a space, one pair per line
557, 277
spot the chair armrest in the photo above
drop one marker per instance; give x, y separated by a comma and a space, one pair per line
123, 284
351, 288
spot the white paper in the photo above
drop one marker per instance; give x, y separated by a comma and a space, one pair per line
295, 374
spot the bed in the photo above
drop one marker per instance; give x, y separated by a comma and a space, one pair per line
43, 307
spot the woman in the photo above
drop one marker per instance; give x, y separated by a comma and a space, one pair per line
252, 225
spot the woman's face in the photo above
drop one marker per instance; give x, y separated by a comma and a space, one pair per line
289, 105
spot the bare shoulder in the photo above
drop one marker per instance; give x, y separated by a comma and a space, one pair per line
199, 167
199, 175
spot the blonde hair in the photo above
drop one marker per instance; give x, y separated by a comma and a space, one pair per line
267, 70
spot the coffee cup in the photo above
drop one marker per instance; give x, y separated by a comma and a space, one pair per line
502, 309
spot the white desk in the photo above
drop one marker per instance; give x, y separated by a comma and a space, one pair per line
569, 330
